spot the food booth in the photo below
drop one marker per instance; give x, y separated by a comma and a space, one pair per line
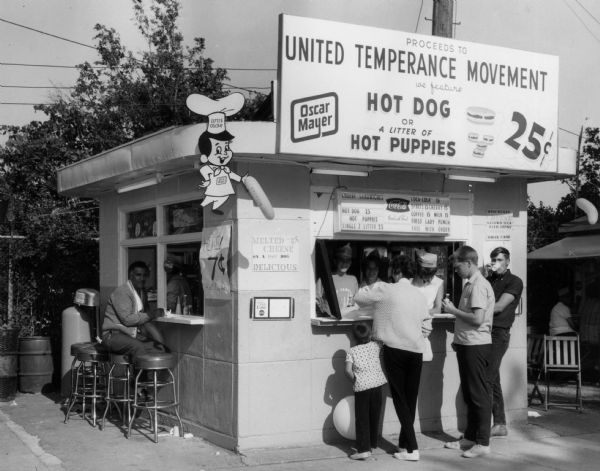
384, 140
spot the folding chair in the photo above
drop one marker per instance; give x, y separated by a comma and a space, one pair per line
535, 366
562, 354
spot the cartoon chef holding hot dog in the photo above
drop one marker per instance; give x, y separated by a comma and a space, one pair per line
214, 145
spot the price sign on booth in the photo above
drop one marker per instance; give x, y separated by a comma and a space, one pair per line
214, 259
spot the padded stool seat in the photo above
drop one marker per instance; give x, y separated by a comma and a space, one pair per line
153, 365
78, 347
156, 361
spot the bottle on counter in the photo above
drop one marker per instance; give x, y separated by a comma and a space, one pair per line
178, 306
186, 308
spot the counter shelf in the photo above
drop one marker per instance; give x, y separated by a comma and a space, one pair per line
181, 319
331, 322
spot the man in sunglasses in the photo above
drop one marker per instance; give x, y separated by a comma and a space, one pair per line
507, 291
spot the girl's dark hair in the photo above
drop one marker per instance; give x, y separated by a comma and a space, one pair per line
402, 264
426, 273
362, 332
372, 257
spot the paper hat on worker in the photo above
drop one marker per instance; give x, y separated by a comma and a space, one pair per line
427, 260
216, 110
564, 291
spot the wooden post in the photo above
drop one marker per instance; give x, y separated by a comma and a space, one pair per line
441, 24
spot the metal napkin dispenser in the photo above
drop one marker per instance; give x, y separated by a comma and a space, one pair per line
87, 297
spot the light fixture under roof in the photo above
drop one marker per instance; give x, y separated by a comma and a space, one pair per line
472, 178
140, 184
339, 172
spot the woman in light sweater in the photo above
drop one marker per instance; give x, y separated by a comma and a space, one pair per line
400, 319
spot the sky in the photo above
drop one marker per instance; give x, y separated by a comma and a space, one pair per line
242, 34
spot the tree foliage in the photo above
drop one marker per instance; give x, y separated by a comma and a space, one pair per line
543, 221
120, 97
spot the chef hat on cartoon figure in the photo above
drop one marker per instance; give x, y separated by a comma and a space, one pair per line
216, 111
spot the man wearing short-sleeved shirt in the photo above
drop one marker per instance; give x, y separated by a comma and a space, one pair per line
507, 292
473, 345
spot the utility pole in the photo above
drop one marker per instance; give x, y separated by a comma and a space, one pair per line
577, 165
441, 23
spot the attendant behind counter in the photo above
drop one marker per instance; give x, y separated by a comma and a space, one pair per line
346, 286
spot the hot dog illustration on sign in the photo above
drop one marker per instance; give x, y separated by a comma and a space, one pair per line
214, 145
480, 116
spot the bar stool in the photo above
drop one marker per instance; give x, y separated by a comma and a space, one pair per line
75, 349
90, 378
153, 364
118, 387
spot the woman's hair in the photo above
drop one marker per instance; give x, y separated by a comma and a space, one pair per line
402, 264
372, 257
362, 332
426, 273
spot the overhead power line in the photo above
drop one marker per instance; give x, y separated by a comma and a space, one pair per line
21, 64
581, 20
419, 16
588, 12
33, 86
47, 34
60, 87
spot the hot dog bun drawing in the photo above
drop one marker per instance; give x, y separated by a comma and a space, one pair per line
258, 196
588, 208
480, 115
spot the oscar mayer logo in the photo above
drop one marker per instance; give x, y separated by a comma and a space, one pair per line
397, 205
314, 117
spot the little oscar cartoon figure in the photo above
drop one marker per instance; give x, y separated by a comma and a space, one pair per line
214, 145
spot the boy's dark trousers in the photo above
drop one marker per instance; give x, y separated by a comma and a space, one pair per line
474, 362
367, 410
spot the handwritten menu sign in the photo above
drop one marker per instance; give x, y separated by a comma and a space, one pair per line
214, 259
499, 224
362, 211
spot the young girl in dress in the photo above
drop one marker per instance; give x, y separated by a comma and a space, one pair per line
363, 367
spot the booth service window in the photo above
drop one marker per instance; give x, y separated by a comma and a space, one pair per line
169, 233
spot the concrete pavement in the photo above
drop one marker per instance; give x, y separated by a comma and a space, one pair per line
33, 437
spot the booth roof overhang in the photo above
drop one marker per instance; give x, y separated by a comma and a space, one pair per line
569, 248
174, 151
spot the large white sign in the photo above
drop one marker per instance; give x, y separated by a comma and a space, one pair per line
365, 211
357, 92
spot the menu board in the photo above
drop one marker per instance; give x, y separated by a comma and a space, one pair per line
363, 211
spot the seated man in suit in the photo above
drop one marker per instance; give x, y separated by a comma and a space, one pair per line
127, 328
